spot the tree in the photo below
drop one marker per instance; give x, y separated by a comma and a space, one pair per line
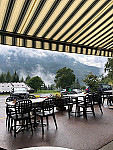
15, 77
2, 78
45, 87
92, 81
64, 77
35, 83
109, 68
77, 84
27, 78
8, 77
53, 87
22, 79
83, 87
105, 79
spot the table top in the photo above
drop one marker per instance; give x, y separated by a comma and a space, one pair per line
45, 148
75, 95
10, 103
109, 91
37, 100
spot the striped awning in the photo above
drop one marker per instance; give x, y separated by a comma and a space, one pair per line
74, 26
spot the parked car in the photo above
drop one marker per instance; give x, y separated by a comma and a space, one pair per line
22, 93
73, 91
76, 91
102, 87
63, 91
87, 90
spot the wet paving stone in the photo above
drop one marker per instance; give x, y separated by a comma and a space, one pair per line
74, 133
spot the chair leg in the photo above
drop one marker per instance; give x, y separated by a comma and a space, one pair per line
11, 128
34, 121
55, 121
42, 125
84, 112
31, 125
77, 111
15, 128
6, 120
26, 124
69, 110
8, 123
103, 101
92, 108
100, 108
47, 121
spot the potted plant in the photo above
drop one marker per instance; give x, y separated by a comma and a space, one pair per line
59, 102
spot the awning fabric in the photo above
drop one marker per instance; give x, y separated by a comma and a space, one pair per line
75, 26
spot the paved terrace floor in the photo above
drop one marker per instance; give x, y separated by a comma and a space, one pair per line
74, 133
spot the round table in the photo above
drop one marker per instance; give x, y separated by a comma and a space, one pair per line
45, 148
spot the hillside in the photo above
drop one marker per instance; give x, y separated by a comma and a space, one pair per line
42, 63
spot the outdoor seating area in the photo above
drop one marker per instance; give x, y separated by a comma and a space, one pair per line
89, 127
80, 115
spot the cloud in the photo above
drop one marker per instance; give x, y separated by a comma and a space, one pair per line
9, 50
0, 71
90, 60
22, 73
47, 77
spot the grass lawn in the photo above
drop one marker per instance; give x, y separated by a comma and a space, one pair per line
45, 91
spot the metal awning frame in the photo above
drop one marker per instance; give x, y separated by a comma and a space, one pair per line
67, 46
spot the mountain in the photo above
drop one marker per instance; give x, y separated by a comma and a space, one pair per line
42, 63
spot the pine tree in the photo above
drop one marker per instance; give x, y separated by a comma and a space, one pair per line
22, 79
8, 77
27, 78
15, 77
78, 84
2, 78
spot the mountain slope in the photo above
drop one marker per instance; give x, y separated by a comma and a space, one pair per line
42, 63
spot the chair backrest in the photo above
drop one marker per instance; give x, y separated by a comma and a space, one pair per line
97, 98
32, 97
68, 100
48, 105
59, 102
88, 99
23, 107
12, 98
